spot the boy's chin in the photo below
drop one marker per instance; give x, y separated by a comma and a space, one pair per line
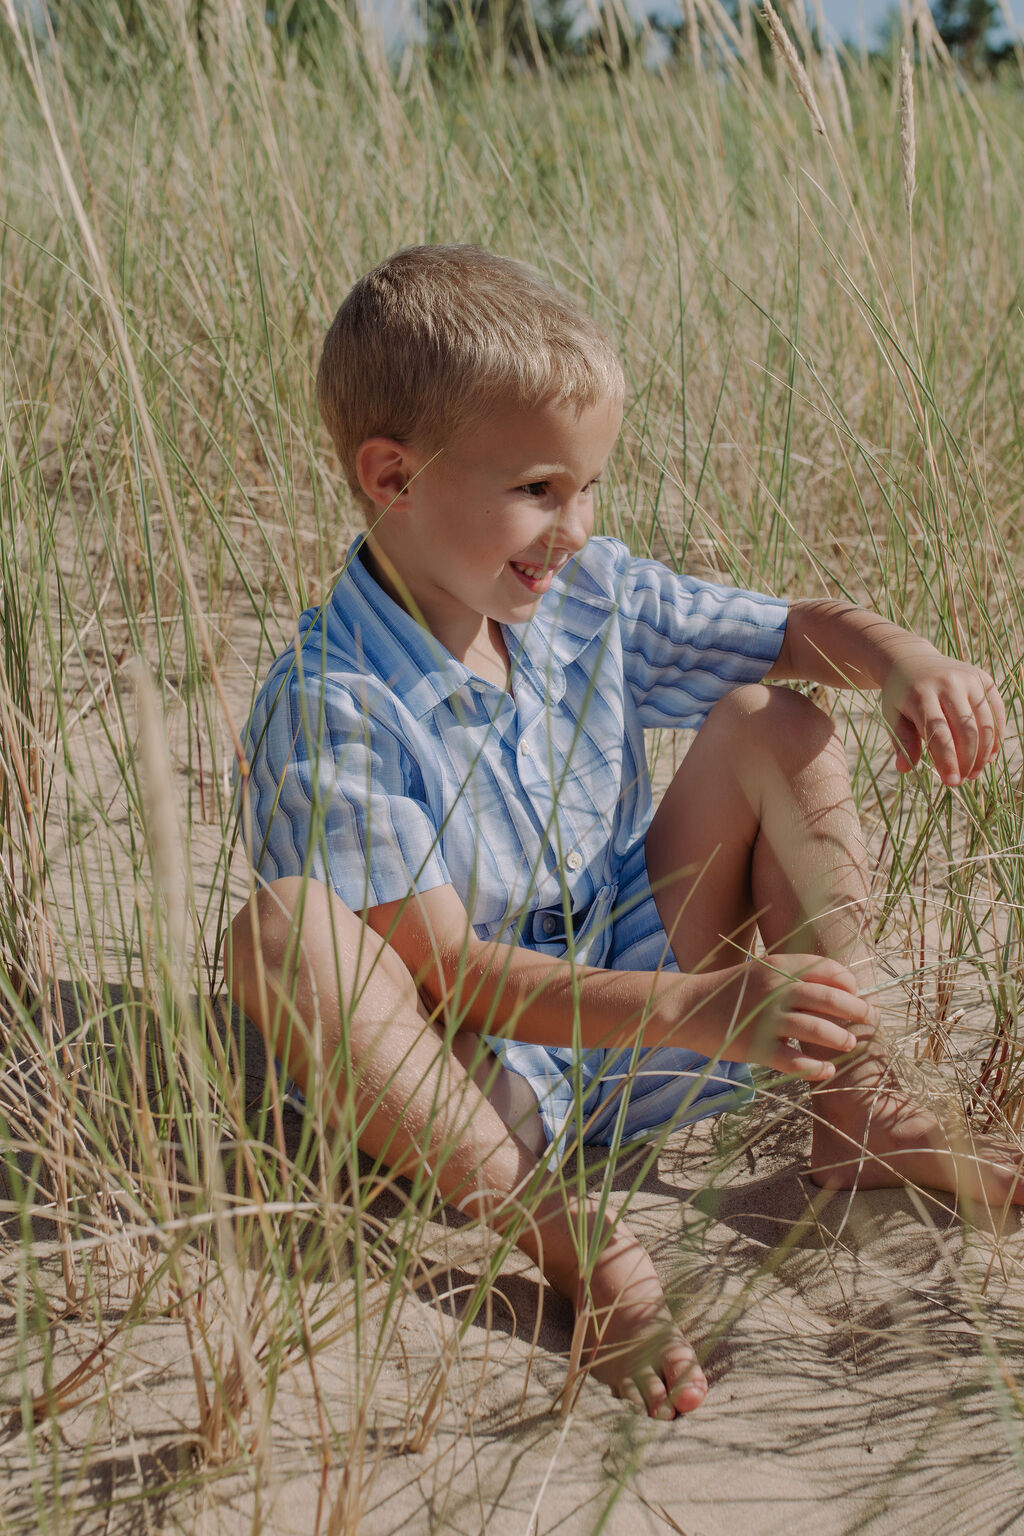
521, 606
518, 613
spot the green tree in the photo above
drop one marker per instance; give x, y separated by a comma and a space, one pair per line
307, 27
617, 38
500, 29
965, 27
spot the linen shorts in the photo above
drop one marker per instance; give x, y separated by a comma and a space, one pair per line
601, 1097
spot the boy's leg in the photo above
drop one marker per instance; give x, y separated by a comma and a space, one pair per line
295, 971
759, 827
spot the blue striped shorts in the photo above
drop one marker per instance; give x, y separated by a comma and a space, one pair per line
597, 1098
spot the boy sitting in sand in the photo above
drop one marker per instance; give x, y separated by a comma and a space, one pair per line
464, 890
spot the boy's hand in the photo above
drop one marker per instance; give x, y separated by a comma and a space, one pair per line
931, 703
765, 1010
948, 708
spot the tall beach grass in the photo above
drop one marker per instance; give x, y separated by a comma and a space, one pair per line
813, 273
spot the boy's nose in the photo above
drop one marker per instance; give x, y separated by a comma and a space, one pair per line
574, 523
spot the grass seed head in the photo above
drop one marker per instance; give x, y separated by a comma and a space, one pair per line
785, 48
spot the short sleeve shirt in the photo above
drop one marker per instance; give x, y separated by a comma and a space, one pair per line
381, 765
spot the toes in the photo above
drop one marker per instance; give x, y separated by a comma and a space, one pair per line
655, 1395
1004, 1166
629, 1392
679, 1388
687, 1384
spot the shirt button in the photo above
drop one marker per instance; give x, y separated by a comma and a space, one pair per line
575, 860
549, 925
524, 748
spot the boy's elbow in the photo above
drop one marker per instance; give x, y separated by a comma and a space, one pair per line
432, 935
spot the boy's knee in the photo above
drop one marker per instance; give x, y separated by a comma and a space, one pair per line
295, 923
776, 719
265, 926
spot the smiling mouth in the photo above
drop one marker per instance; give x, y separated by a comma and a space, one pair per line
537, 578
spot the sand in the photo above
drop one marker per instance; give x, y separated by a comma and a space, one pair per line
854, 1347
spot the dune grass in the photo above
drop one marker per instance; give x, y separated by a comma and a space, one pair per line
822, 336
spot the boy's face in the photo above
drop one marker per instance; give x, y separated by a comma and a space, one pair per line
480, 530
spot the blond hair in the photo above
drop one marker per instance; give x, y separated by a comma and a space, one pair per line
438, 337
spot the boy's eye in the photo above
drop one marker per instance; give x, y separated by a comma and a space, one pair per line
536, 488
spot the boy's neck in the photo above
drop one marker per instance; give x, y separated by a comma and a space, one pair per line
488, 655
482, 648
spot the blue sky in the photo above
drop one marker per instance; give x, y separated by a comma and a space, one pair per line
850, 19
847, 16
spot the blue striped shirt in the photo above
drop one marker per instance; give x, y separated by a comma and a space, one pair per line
382, 765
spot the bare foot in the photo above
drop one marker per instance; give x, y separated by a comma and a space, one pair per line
874, 1138
631, 1341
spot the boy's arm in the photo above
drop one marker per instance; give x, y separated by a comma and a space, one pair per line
747, 1012
929, 701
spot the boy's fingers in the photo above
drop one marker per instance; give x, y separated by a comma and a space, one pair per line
807, 1067
976, 723
831, 1002
965, 734
968, 734
973, 737
942, 746
813, 1030
990, 715
812, 970
956, 714
986, 728
906, 742
996, 705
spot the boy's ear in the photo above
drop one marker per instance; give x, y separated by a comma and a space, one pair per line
384, 468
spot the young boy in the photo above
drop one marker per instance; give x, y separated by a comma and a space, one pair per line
465, 891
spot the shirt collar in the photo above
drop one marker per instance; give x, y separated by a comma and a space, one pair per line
567, 619
415, 666
422, 673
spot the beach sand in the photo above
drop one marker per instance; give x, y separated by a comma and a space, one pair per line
853, 1346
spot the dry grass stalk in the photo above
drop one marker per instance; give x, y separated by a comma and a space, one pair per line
238, 1387
795, 14
984, 170
692, 32
99, 267
928, 35
720, 24
820, 22
34, 965
908, 141
163, 832
1016, 31
749, 44
834, 74
786, 49
1009, 21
